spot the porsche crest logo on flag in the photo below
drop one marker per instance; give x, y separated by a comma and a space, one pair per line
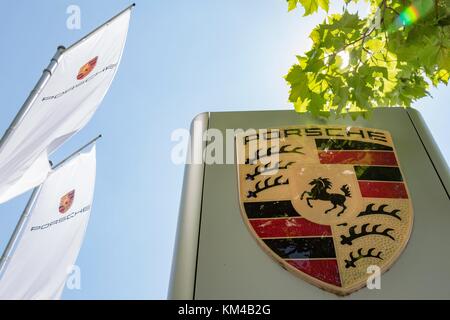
66, 202
326, 202
87, 68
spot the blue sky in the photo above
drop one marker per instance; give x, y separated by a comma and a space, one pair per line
181, 58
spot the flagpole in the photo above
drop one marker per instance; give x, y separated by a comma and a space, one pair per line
99, 27
24, 217
20, 224
45, 77
76, 152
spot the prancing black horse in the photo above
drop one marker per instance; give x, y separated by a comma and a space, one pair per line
319, 192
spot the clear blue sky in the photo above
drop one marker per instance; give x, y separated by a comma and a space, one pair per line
181, 58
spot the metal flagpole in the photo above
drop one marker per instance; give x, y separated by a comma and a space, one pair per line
26, 213
96, 29
23, 218
76, 152
46, 75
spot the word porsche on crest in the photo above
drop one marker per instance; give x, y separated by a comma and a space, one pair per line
325, 202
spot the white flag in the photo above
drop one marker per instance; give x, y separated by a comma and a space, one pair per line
67, 102
50, 240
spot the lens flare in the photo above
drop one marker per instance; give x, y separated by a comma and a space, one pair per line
412, 14
409, 15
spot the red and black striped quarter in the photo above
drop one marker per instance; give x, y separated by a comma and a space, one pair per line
305, 245
376, 166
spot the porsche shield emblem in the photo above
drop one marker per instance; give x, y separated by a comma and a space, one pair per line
326, 202
87, 68
66, 202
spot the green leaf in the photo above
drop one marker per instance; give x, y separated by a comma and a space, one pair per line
443, 58
374, 45
441, 76
292, 4
428, 55
310, 6
382, 70
315, 36
317, 103
301, 105
299, 83
348, 20
324, 4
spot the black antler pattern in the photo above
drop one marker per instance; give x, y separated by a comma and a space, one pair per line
267, 185
270, 152
351, 263
370, 210
267, 168
364, 232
